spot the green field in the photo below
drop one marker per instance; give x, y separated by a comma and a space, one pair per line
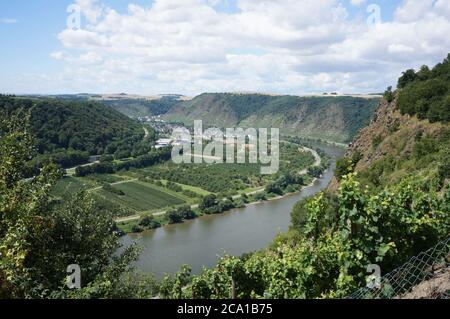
71, 185
147, 190
229, 178
142, 197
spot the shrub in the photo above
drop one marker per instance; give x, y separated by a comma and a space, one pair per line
109, 188
376, 141
149, 222
389, 95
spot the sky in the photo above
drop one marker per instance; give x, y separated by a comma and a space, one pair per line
194, 46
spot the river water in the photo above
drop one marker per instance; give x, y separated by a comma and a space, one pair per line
202, 241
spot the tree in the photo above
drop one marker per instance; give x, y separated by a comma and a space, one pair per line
424, 73
106, 159
315, 171
40, 238
208, 203
174, 217
186, 212
274, 188
407, 77
389, 95
343, 167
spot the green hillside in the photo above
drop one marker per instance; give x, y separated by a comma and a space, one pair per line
336, 119
141, 107
70, 131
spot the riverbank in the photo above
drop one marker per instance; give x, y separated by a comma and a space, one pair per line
201, 242
130, 224
126, 224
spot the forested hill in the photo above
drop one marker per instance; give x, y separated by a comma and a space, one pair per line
336, 119
81, 128
141, 107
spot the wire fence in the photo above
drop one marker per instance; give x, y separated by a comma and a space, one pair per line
432, 265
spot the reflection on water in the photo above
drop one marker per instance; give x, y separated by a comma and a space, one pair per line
200, 242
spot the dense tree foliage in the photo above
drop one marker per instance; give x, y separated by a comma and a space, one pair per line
285, 183
426, 93
40, 238
180, 214
152, 158
210, 204
67, 132
223, 178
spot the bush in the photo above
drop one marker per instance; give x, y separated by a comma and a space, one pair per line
137, 229
173, 217
389, 95
109, 188
106, 159
376, 141
180, 214
149, 222
261, 196
186, 212
315, 171
427, 145
343, 167
208, 204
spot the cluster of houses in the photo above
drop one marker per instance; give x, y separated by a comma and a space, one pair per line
150, 119
166, 142
163, 142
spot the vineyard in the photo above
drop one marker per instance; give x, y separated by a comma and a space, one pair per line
328, 254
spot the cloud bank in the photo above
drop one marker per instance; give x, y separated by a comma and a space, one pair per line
281, 46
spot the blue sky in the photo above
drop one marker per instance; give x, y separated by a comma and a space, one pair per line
221, 51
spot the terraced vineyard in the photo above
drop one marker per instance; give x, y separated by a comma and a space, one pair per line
142, 197
71, 185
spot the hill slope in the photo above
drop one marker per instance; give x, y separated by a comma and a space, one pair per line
76, 126
404, 139
332, 118
141, 107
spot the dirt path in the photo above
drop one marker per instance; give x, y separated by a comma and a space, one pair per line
71, 171
317, 159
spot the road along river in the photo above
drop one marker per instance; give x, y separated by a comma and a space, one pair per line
202, 241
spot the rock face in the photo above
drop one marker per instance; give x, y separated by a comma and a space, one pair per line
438, 287
389, 133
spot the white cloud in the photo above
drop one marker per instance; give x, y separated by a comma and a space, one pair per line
91, 9
286, 46
58, 55
9, 21
357, 2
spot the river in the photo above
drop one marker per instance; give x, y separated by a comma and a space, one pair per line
202, 241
